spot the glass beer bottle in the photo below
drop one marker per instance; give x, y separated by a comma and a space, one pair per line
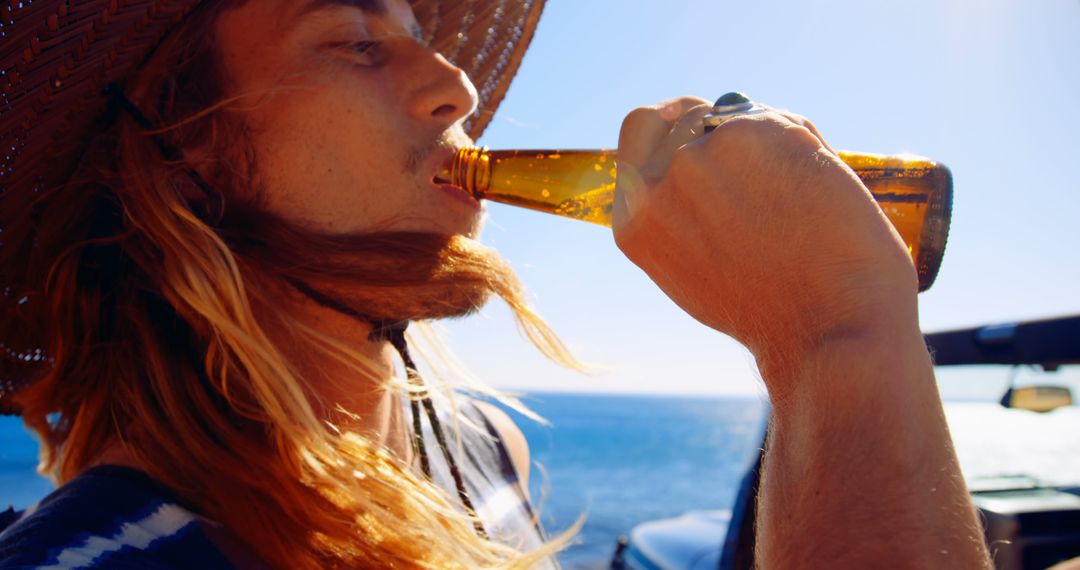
914, 192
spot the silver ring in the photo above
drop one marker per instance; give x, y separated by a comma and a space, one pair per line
730, 105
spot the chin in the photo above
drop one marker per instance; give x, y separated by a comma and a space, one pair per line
456, 222
477, 226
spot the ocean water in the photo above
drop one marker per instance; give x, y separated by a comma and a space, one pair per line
19, 484
618, 460
623, 460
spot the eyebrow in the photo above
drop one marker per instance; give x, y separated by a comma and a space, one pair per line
376, 7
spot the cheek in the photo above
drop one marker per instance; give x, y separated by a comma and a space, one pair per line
327, 162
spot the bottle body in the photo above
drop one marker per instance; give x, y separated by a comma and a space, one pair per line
915, 193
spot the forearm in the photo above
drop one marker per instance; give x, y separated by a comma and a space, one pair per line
759, 231
860, 470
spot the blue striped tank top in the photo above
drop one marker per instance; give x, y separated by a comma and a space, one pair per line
117, 517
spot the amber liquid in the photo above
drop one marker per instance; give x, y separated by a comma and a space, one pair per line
914, 192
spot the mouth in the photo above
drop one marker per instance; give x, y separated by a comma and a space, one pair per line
440, 163
458, 193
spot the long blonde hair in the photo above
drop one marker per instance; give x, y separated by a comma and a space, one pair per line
153, 316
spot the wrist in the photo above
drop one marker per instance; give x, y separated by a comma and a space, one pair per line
863, 419
873, 311
856, 362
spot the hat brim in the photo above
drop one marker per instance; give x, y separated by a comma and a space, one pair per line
485, 38
56, 56
55, 59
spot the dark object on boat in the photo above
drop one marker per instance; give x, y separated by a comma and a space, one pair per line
1048, 344
1028, 527
618, 561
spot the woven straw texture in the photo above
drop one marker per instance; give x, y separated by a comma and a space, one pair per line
57, 55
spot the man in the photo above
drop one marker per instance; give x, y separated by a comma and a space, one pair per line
218, 213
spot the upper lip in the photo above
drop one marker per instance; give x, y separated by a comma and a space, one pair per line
439, 157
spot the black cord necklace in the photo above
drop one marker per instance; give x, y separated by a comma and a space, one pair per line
395, 334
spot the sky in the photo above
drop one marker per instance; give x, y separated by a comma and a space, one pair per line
986, 87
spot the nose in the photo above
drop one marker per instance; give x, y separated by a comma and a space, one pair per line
444, 93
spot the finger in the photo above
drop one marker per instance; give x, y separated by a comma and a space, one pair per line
643, 131
646, 127
688, 128
803, 122
767, 132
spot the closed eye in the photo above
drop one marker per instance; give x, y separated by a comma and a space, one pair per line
364, 52
365, 47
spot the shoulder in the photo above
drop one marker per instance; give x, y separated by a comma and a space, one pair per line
511, 437
108, 517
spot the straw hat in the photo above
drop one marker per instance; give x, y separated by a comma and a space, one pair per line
56, 56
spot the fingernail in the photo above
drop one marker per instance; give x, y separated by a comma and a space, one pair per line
671, 110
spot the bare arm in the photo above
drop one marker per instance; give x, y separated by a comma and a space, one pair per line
860, 471
760, 231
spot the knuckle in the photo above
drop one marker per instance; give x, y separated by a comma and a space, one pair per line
795, 117
802, 121
623, 241
697, 113
638, 222
639, 117
759, 135
630, 240
680, 106
742, 127
804, 136
776, 122
730, 134
696, 103
689, 166
685, 159
778, 130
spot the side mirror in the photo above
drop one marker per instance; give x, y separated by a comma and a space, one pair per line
1037, 398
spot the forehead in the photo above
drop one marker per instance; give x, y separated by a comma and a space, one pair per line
254, 25
263, 41
370, 6
398, 10
392, 14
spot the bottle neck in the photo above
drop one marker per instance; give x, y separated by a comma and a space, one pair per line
470, 170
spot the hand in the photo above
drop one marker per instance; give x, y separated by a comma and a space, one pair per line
758, 230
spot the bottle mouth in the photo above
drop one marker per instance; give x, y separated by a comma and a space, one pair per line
468, 170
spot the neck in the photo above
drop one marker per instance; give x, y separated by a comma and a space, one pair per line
371, 407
